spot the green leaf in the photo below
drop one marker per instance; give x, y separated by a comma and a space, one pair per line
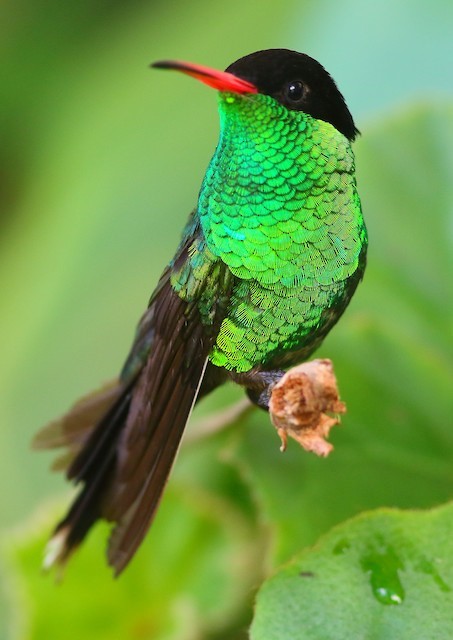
380, 576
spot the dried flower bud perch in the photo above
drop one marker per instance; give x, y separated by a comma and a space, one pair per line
301, 405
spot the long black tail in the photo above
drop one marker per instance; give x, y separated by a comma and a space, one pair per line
121, 442
90, 431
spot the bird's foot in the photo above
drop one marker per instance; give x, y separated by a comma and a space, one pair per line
258, 385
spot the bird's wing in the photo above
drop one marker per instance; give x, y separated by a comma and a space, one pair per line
160, 406
123, 440
180, 340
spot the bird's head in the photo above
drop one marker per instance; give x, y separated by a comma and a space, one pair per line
295, 80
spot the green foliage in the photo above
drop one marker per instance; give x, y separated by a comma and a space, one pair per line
88, 221
194, 578
382, 575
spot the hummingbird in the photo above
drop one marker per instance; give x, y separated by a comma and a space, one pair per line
267, 263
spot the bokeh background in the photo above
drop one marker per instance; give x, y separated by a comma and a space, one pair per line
100, 163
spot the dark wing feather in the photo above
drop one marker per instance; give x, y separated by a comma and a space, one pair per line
123, 440
141, 494
161, 404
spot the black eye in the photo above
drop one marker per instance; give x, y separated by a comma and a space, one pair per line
295, 91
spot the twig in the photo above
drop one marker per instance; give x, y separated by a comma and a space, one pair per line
301, 405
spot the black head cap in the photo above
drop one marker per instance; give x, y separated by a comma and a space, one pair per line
299, 83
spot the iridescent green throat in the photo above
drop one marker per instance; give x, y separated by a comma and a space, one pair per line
275, 180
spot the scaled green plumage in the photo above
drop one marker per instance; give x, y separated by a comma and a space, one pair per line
279, 207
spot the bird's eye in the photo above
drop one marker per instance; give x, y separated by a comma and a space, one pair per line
295, 91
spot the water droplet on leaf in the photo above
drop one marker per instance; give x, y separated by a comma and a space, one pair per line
383, 565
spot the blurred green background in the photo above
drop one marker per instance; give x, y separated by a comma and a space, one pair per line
100, 163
